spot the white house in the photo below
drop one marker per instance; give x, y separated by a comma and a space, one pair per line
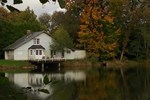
36, 45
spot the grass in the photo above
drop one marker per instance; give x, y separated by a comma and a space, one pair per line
12, 63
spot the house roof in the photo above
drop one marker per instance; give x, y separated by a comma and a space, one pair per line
36, 47
23, 40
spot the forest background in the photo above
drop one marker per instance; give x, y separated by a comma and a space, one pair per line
106, 29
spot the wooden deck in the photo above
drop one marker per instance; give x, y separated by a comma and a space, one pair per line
42, 62
50, 60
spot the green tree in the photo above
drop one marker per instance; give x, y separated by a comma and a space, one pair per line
62, 39
14, 25
45, 21
69, 19
135, 47
57, 19
128, 16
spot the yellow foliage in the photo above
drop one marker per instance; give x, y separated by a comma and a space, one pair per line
109, 18
91, 30
96, 14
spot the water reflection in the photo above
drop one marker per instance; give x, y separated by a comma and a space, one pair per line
31, 82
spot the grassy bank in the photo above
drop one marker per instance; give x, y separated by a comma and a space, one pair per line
77, 64
84, 64
8, 64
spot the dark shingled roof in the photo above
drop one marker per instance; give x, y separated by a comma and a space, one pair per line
36, 47
23, 40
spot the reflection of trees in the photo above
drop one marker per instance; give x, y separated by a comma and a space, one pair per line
109, 84
138, 81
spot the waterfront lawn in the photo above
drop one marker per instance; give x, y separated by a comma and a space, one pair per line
12, 63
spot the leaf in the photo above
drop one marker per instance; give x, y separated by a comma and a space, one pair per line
46, 80
2, 4
61, 3
17, 1
44, 91
12, 9
43, 1
4, 1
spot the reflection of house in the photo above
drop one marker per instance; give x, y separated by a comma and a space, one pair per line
35, 80
36, 45
19, 79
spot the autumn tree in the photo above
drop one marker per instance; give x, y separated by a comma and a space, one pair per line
98, 34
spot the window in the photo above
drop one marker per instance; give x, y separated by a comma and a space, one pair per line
68, 51
36, 41
38, 52
31, 52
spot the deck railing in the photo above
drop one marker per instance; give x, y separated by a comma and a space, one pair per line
48, 60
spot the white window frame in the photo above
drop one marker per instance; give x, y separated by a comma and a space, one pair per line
36, 41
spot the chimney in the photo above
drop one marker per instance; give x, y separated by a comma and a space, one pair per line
28, 32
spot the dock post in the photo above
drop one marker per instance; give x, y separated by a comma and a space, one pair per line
42, 66
59, 66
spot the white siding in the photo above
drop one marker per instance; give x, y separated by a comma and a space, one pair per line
45, 41
77, 54
80, 54
21, 53
9, 55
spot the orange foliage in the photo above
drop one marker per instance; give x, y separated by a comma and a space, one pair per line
91, 36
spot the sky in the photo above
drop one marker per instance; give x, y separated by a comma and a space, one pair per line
37, 7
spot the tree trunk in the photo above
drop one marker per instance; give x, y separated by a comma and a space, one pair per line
122, 53
147, 54
125, 43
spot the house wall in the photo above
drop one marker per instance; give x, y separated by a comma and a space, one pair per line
45, 41
21, 53
77, 54
80, 54
9, 55
34, 56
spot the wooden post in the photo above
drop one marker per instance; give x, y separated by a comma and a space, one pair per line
42, 66
59, 66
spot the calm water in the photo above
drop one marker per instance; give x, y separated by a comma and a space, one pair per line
31, 83
93, 84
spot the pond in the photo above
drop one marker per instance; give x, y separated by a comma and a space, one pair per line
92, 84
44, 86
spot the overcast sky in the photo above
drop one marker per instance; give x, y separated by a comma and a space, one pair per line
37, 7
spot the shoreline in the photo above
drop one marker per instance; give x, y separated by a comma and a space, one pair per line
25, 68
77, 64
